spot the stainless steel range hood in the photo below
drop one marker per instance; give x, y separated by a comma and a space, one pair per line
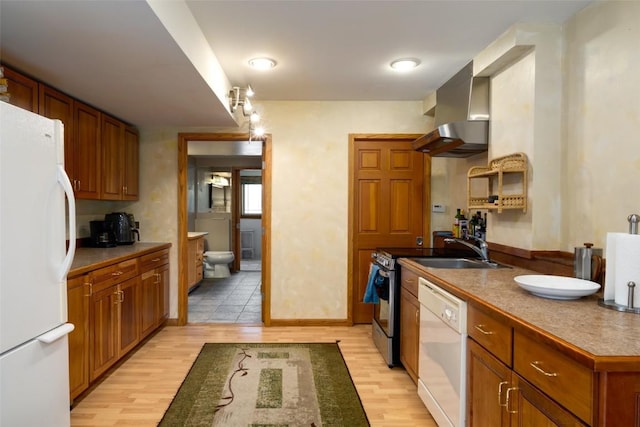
461, 118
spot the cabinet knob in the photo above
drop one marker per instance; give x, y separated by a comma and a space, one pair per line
502, 384
508, 400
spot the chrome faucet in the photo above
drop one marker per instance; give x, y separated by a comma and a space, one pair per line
482, 249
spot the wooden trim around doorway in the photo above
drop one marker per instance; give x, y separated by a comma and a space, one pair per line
183, 244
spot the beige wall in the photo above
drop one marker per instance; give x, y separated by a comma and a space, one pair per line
571, 104
580, 134
309, 196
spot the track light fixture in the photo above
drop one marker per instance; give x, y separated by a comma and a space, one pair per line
239, 97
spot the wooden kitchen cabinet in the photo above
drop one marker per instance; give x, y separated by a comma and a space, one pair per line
154, 291
196, 254
114, 319
409, 323
82, 157
78, 301
23, 90
119, 160
57, 105
501, 372
113, 309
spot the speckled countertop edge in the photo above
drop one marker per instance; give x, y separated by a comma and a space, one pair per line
87, 259
581, 323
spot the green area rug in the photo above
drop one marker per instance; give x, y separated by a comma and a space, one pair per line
267, 385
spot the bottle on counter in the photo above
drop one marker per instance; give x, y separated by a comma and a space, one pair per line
456, 223
464, 226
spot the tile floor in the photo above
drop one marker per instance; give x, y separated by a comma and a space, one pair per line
234, 299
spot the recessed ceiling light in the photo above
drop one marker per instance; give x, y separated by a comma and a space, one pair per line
262, 63
405, 64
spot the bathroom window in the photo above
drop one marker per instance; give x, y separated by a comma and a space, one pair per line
251, 200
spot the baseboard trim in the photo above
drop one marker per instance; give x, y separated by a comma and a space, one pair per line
310, 322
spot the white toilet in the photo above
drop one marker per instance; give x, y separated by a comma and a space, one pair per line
216, 264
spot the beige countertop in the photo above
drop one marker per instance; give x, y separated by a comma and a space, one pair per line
196, 234
87, 259
581, 323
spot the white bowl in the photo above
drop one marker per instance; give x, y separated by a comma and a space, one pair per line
556, 287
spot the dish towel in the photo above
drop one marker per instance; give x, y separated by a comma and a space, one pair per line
370, 294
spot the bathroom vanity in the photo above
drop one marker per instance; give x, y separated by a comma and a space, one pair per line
196, 250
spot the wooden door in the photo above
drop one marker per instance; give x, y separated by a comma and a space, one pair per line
130, 162
149, 301
78, 293
387, 198
23, 90
86, 147
112, 155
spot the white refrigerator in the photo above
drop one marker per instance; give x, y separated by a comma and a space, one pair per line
34, 194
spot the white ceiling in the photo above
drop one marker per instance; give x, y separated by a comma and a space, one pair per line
119, 57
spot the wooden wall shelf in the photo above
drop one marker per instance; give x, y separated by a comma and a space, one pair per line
511, 164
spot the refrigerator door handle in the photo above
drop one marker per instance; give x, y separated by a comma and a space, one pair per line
56, 334
64, 181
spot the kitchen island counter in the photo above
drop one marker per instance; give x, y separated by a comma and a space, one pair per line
597, 336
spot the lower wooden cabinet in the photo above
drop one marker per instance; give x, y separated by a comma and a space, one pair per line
154, 298
113, 309
497, 396
409, 323
78, 301
196, 254
115, 326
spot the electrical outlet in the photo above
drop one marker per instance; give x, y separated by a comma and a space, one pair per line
438, 208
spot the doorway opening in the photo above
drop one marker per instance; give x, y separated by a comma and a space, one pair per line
224, 191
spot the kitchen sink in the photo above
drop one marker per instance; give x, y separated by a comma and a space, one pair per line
457, 263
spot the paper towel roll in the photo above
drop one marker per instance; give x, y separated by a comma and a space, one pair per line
623, 266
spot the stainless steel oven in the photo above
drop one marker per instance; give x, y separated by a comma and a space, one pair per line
386, 314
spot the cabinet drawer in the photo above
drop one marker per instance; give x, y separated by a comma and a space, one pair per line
566, 381
153, 260
113, 274
409, 281
492, 333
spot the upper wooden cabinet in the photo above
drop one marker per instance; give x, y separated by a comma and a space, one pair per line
119, 160
23, 90
83, 163
101, 152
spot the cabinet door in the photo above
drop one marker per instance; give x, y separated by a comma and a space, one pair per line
57, 105
23, 90
130, 164
534, 409
409, 333
163, 308
112, 153
149, 301
129, 315
104, 330
86, 152
191, 267
487, 382
78, 300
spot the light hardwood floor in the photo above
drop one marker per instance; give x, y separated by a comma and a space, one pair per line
139, 391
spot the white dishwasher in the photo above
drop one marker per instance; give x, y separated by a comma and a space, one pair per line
442, 354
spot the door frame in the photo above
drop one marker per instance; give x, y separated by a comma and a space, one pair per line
183, 241
426, 202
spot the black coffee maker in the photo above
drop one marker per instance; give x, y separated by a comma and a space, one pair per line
101, 235
123, 227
